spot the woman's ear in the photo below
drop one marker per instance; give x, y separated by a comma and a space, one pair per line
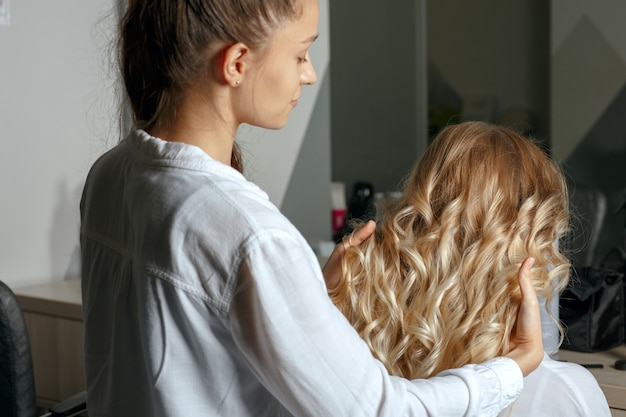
236, 60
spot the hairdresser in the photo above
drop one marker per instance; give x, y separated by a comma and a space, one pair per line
199, 297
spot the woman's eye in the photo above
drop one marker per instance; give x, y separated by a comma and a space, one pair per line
303, 59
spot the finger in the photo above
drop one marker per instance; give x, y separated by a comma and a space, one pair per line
526, 342
528, 328
332, 270
363, 233
525, 282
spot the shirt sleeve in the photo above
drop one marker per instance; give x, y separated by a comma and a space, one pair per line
310, 358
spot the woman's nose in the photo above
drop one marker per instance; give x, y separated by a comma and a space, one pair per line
309, 76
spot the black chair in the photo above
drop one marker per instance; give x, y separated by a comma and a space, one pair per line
17, 378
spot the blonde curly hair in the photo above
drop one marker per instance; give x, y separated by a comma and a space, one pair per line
436, 287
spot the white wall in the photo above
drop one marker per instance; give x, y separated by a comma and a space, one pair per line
56, 112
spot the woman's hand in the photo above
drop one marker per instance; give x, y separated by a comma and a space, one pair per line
526, 342
332, 269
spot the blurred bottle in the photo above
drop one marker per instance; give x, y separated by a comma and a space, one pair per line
339, 209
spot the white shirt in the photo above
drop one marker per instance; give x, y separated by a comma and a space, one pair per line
201, 299
560, 389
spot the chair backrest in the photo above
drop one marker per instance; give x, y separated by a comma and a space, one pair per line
17, 380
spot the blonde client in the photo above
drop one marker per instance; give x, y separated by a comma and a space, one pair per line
436, 285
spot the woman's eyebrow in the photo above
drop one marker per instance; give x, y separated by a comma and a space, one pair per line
311, 39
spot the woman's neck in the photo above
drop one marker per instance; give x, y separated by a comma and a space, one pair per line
202, 124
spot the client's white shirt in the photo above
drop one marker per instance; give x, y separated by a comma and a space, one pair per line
559, 389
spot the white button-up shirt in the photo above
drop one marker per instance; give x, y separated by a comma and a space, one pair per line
201, 299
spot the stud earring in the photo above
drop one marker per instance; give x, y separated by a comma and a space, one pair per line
237, 82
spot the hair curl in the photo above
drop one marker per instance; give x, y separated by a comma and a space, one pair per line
436, 286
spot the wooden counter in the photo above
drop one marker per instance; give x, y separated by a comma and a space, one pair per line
53, 315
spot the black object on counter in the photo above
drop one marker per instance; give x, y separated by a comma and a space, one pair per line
361, 204
360, 207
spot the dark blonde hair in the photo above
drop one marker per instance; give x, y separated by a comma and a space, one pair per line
165, 45
436, 286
